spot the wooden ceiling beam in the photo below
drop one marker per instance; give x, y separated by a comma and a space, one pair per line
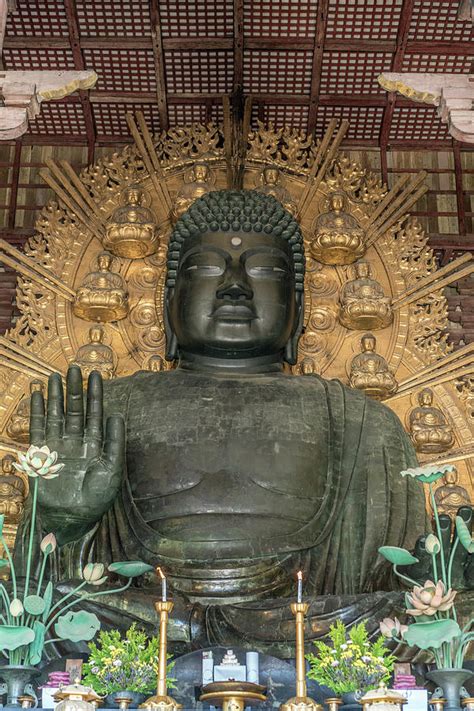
458, 177
79, 64
238, 45
316, 70
15, 177
159, 60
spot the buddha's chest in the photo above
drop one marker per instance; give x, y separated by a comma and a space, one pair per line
214, 448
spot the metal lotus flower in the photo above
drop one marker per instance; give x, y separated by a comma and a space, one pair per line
39, 462
93, 573
430, 599
429, 474
432, 544
48, 544
392, 628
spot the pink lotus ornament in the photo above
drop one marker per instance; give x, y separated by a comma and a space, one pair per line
392, 628
93, 573
430, 599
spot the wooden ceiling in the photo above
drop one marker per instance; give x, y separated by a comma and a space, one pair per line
303, 61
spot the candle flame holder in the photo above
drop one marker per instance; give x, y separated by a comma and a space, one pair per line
300, 702
161, 701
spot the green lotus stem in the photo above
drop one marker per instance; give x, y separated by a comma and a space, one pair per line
438, 531
10, 562
32, 533
50, 641
41, 575
6, 601
435, 567
66, 597
404, 577
81, 599
451, 559
468, 625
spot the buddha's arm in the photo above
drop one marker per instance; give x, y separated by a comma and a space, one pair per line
71, 504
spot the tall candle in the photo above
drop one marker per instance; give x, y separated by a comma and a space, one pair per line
163, 584
300, 586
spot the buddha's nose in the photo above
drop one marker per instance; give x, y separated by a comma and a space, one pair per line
234, 288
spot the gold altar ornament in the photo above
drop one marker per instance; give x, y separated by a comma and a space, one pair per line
26, 701
13, 490
96, 355
449, 497
102, 296
370, 372
18, 427
233, 695
76, 697
333, 703
132, 230
383, 699
468, 704
161, 701
428, 428
271, 183
338, 239
300, 702
198, 181
437, 704
363, 304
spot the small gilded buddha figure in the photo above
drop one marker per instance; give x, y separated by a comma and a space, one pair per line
131, 231
96, 355
103, 295
199, 183
370, 373
450, 496
338, 238
363, 302
429, 429
12, 490
18, 427
271, 185
156, 364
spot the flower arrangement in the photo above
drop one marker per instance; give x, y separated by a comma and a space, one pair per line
431, 603
28, 616
127, 663
352, 663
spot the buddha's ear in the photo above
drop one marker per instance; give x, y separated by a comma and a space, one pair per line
291, 348
171, 340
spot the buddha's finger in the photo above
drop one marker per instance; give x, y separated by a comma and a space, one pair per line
461, 555
94, 408
114, 445
55, 419
445, 525
74, 403
37, 419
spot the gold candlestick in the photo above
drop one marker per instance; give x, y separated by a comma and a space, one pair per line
162, 701
300, 702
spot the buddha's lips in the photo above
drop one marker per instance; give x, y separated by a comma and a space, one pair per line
237, 312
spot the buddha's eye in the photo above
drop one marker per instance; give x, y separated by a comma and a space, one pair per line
266, 270
205, 264
208, 269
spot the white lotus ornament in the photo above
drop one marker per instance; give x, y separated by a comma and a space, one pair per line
39, 462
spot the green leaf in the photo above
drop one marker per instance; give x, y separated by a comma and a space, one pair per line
47, 597
3, 563
431, 635
34, 604
130, 568
77, 626
397, 556
12, 637
37, 646
464, 535
2, 518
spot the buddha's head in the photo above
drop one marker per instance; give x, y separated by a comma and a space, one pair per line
451, 477
200, 172
7, 464
96, 334
234, 289
336, 202
362, 270
104, 261
155, 364
425, 398
133, 195
368, 343
271, 176
36, 386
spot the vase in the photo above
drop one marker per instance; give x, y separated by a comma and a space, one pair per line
136, 699
450, 683
351, 701
18, 682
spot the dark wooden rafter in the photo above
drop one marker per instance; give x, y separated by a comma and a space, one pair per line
15, 177
159, 59
317, 65
238, 45
74, 39
458, 176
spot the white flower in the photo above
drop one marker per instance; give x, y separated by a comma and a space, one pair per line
117, 663
39, 461
94, 670
432, 543
333, 651
334, 663
343, 646
365, 658
16, 607
93, 573
48, 544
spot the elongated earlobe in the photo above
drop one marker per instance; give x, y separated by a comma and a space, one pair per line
171, 340
291, 348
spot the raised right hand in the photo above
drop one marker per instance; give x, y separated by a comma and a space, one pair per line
87, 486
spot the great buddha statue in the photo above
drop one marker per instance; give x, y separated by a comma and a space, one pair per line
227, 471
363, 303
96, 355
18, 427
131, 231
429, 430
370, 372
102, 296
12, 490
450, 496
272, 185
338, 238
199, 183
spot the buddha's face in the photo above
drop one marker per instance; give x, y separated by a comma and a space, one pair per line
451, 477
96, 335
368, 344
270, 176
234, 296
363, 270
337, 202
425, 397
133, 196
104, 262
7, 465
200, 173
